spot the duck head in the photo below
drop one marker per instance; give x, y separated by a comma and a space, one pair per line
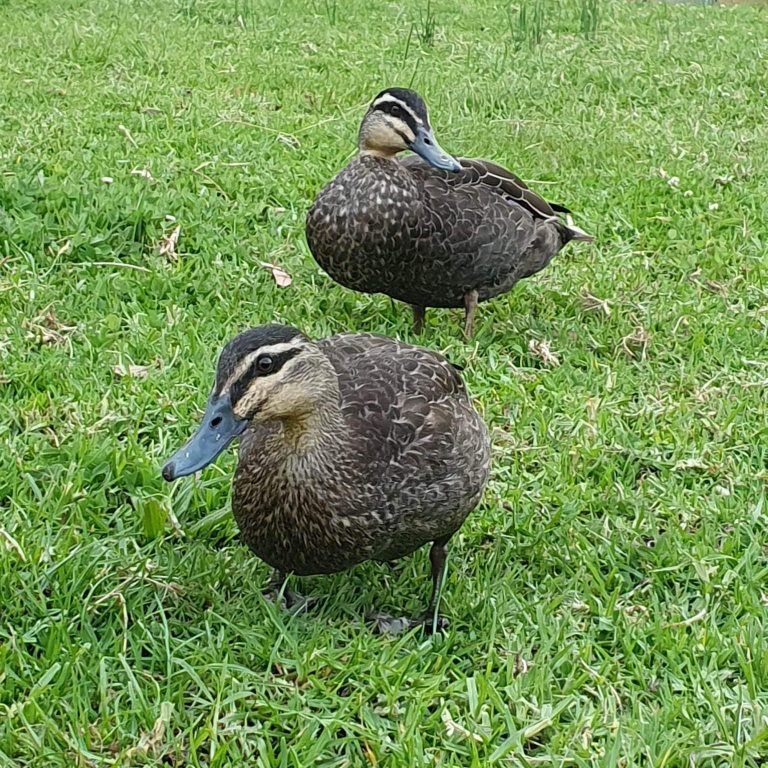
397, 120
269, 373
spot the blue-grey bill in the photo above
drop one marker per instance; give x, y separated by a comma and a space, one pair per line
218, 429
426, 147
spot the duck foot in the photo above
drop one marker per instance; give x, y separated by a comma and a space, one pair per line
430, 620
392, 625
291, 601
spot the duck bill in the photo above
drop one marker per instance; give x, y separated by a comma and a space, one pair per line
218, 429
426, 147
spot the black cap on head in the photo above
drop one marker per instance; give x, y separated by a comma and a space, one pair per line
249, 341
406, 96
397, 120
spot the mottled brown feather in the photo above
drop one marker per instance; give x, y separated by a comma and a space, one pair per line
426, 236
403, 464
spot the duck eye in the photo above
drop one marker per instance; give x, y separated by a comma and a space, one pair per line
265, 364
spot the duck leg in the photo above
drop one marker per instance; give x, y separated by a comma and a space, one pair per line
470, 306
419, 314
437, 557
277, 582
430, 619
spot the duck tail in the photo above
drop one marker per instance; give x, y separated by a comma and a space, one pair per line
577, 233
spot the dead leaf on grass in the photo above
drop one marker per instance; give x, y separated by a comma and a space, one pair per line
542, 350
46, 329
636, 343
132, 371
710, 285
11, 543
521, 666
167, 246
593, 304
691, 464
452, 727
127, 135
50, 433
149, 742
370, 755
289, 141
144, 173
282, 278
62, 248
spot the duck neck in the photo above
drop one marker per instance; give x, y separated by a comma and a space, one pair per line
380, 154
316, 432
372, 142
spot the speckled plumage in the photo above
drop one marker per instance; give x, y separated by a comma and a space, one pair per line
428, 237
401, 458
355, 447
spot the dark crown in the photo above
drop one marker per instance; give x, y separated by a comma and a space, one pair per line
410, 99
249, 341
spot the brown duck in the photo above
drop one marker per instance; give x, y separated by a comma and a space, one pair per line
354, 447
428, 229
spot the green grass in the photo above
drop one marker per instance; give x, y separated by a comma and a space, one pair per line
608, 599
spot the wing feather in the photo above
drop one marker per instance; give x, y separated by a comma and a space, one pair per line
475, 171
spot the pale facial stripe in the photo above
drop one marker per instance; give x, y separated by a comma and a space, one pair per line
260, 389
245, 363
389, 99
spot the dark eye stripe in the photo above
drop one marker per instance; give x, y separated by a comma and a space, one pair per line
279, 360
404, 114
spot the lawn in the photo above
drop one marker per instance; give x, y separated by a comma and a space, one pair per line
608, 600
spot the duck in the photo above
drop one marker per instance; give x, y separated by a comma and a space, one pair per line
353, 447
429, 229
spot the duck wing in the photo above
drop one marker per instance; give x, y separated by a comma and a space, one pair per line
477, 172
511, 186
408, 408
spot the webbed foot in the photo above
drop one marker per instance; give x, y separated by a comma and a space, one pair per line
392, 625
430, 620
289, 600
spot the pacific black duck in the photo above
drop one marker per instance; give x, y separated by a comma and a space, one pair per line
355, 447
429, 229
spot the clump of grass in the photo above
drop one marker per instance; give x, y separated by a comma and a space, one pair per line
528, 23
589, 17
331, 7
425, 29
